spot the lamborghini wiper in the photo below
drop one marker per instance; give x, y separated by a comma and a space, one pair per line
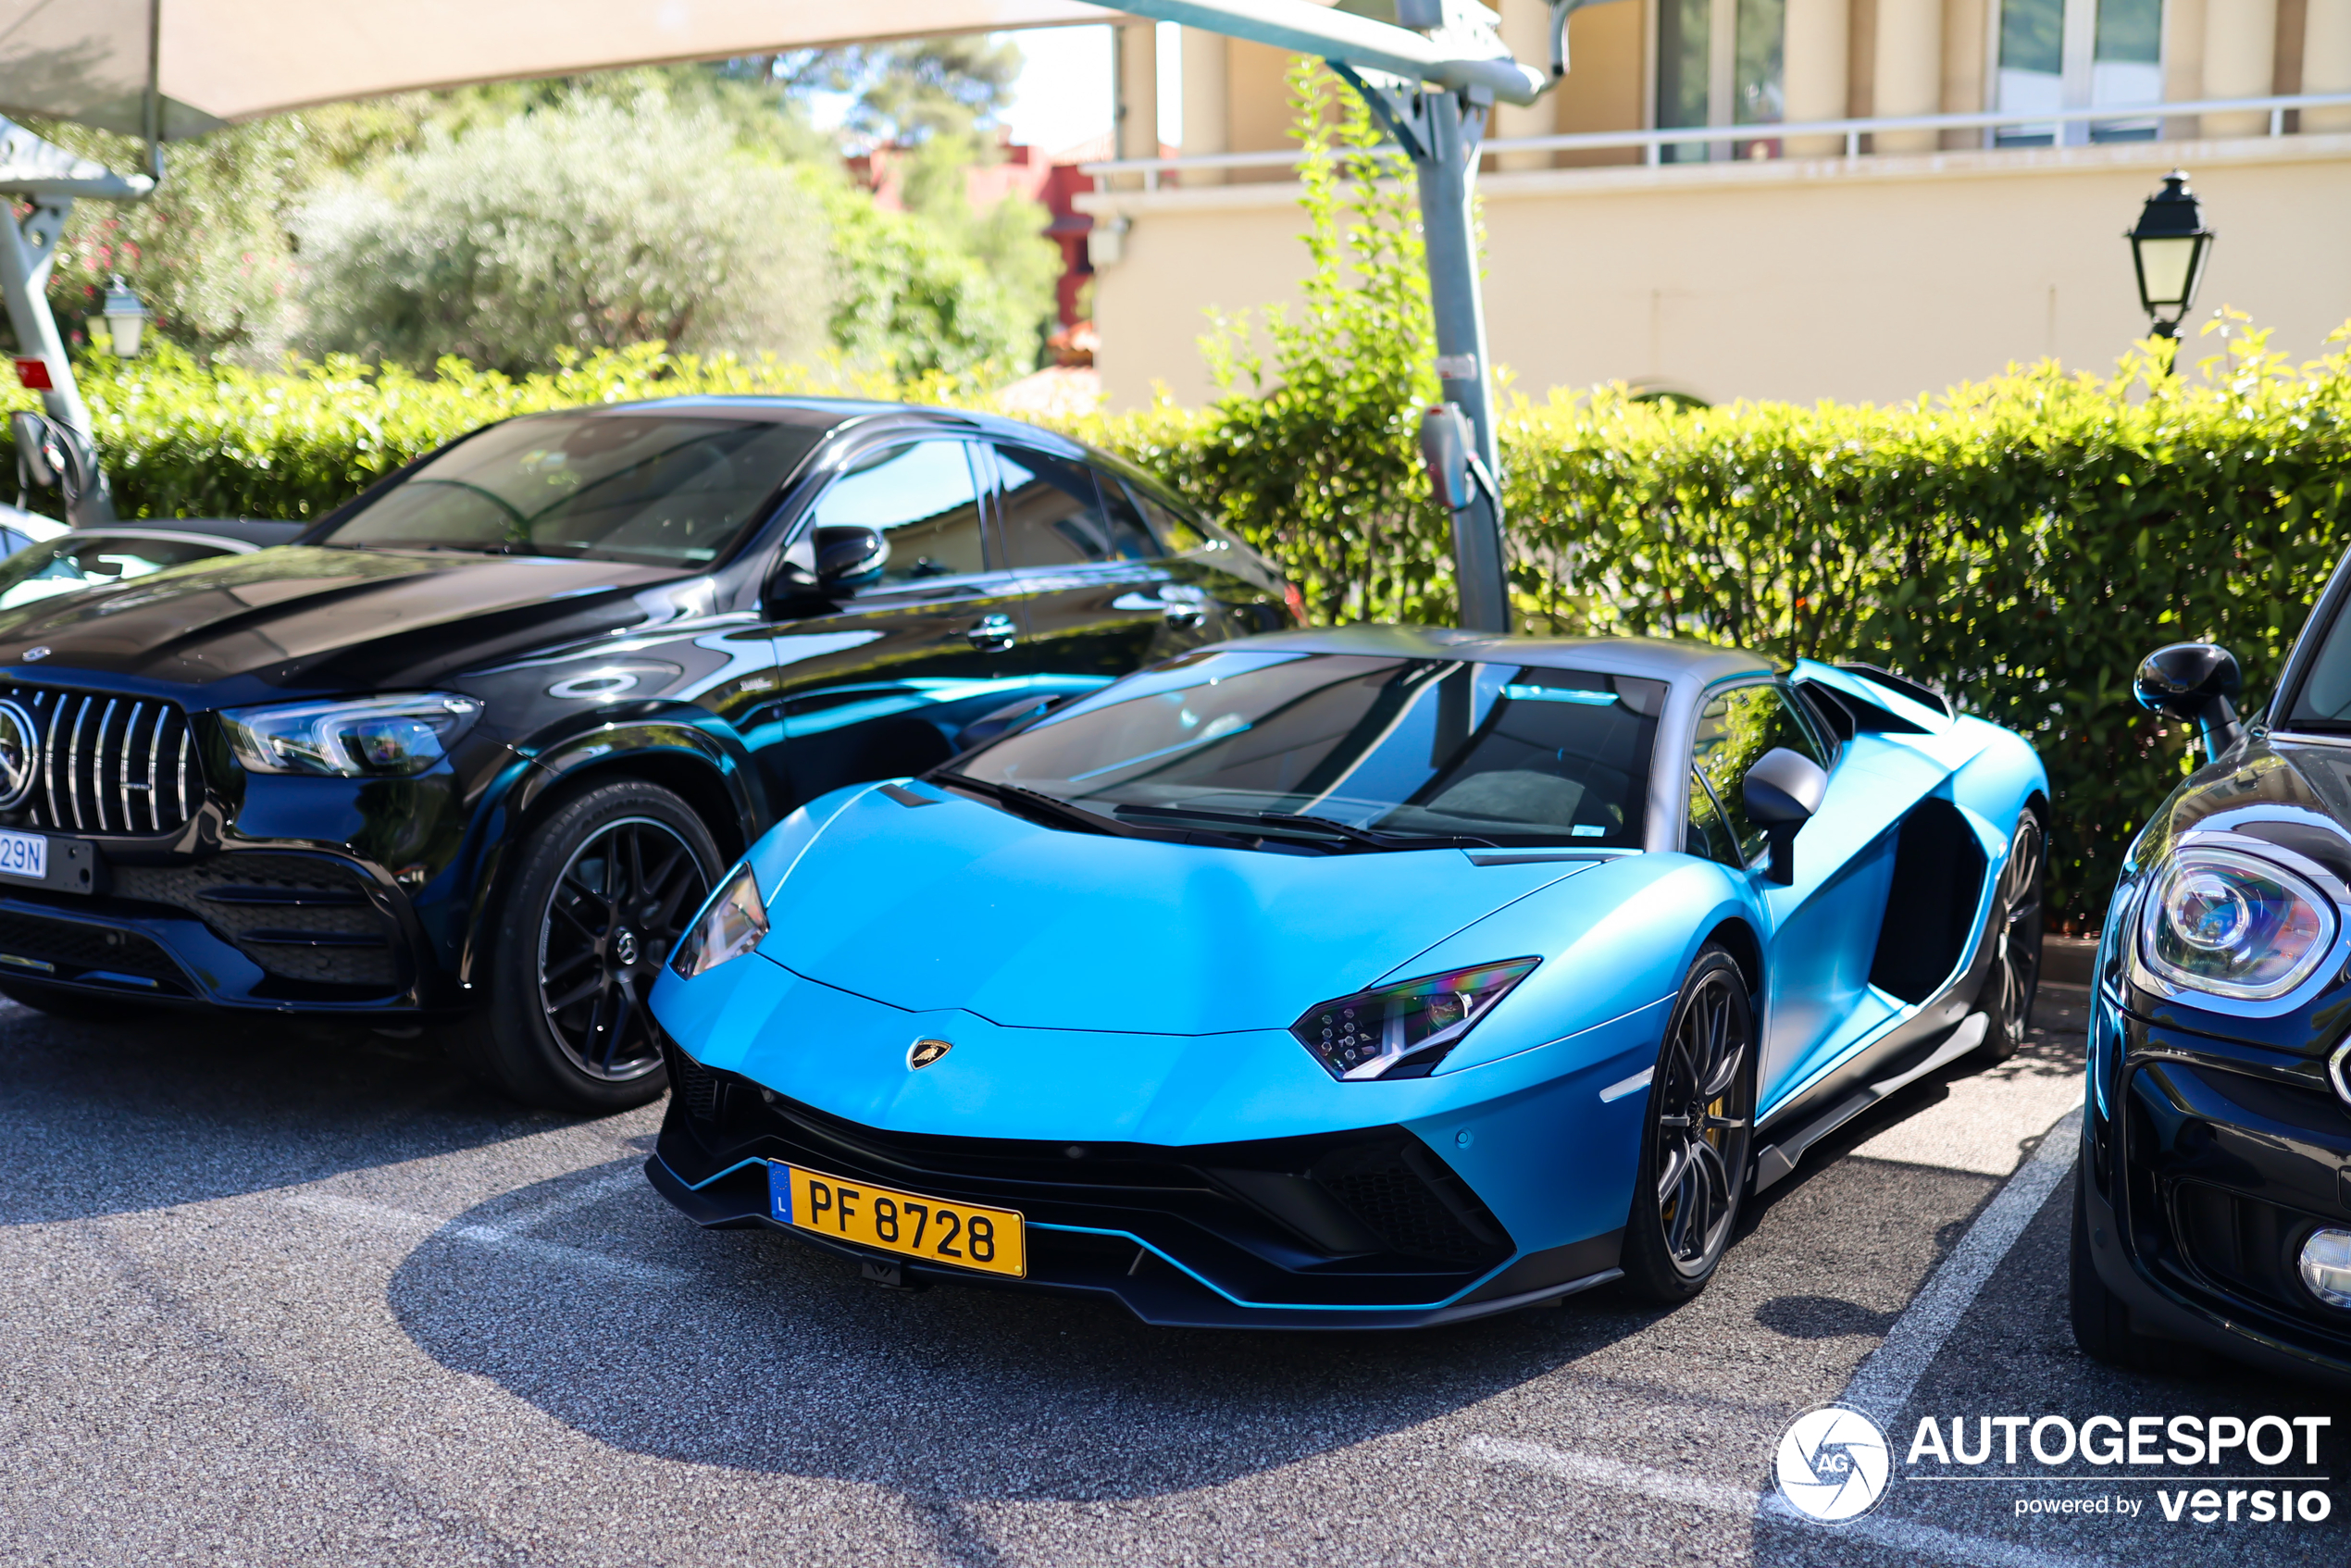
1034, 803
1379, 839
1296, 826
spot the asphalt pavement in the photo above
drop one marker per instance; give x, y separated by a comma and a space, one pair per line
279, 1296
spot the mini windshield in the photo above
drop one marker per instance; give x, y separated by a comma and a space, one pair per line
2324, 701
1414, 748
652, 490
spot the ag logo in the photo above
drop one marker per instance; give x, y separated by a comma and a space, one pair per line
1833, 1463
923, 1052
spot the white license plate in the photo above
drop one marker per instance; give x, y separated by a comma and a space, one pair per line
24, 856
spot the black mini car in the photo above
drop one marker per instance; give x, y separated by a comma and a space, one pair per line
2214, 1200
472, 749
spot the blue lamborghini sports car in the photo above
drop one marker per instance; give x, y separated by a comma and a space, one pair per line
1360, 978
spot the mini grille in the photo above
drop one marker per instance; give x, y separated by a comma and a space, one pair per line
110, 763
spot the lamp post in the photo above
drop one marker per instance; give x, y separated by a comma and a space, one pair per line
126, 318
2168, 248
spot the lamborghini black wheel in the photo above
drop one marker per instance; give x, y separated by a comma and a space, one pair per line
1694, 1147
2008, 989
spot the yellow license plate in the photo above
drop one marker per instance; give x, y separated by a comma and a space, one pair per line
992, 1240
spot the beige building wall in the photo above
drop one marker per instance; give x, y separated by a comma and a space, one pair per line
1867, 279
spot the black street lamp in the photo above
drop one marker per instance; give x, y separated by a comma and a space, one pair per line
2170, 248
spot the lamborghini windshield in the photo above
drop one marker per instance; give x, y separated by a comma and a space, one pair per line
651, 490
1399, 748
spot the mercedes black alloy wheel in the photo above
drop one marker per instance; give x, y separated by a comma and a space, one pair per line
596, 896
1693, 1149
2007, 999
611, 919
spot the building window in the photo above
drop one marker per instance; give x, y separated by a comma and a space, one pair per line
1719, 63
2080, 53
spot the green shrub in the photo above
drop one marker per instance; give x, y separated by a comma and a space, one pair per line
589, 224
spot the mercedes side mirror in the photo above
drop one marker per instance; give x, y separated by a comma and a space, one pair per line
2197, 683
849, 557
1782, 791
997, 723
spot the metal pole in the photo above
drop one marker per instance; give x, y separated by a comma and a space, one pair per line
24, 276
1445, 164
26, 255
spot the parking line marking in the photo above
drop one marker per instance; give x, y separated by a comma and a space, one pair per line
498, 1238
1882, 1384
1899, 1534
578, 1198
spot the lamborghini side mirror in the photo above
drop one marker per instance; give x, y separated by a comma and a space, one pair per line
2197, 683
1781, 792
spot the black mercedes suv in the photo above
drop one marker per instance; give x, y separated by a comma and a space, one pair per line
470, 751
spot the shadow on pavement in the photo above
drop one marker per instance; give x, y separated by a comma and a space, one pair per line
105, 1118
769, 1356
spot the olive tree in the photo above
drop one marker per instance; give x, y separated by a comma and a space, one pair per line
585, 224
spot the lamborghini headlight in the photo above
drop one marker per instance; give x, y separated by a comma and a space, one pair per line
357, 738
1409, 1026
2232, 924
730, 923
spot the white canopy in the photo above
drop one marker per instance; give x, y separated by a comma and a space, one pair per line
218, 61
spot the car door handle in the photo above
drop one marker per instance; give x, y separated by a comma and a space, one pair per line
992, 634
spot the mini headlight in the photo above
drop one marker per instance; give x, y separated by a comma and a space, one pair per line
360, 738
729, 924
1372, 1034
2235, 925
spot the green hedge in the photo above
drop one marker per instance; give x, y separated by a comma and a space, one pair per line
185, 440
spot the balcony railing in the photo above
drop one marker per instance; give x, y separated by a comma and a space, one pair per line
1653, 142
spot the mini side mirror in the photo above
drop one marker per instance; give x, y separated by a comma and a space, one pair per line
850, 556
2195, 682
1782, 791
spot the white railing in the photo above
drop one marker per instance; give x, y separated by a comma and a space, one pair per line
1653, 142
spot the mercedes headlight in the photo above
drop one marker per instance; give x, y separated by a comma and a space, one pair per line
730, 923
1373, 1033
356, 738
2235, 925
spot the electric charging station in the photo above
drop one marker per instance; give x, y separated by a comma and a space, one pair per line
1430, 80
